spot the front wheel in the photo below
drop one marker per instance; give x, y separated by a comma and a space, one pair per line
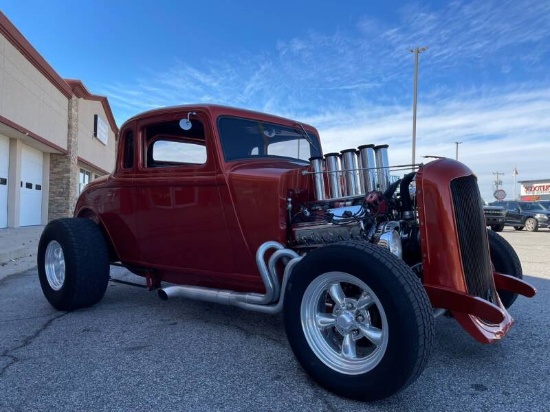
518, 227
497, 228
531, 224
73, 263
505, 260
358, 320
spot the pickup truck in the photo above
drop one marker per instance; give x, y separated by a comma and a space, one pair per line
244, 209
495, 217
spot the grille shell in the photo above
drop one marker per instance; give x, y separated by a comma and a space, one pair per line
472, 238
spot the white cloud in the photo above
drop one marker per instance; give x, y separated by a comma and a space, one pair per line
355, 85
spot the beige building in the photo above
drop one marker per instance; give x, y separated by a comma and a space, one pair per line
55, 136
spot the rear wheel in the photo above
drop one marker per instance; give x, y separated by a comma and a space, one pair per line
497, 228
506, 261
73, 263
531, 224
358, 320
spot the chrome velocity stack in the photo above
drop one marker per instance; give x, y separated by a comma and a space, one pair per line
382, 166
351, 173
332, 162
368, 167
318, 178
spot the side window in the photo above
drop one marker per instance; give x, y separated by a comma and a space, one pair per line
128, 160
167, 144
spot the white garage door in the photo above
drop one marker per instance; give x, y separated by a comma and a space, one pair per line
30, 212
4, 167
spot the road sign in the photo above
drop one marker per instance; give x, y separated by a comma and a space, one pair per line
499, 194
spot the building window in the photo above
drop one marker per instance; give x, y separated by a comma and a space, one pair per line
85, 177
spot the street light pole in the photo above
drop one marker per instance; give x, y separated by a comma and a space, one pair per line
457, 143
416, 51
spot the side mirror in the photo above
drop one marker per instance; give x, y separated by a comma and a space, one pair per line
186, 124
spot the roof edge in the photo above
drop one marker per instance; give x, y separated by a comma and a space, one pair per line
82, 92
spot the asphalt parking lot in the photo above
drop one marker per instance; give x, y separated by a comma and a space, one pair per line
133, 351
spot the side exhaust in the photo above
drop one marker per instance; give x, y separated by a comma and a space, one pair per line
271, 302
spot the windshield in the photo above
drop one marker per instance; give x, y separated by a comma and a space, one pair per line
254, 139
531, 206
545, 204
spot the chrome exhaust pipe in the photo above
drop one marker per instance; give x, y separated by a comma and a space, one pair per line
270, 302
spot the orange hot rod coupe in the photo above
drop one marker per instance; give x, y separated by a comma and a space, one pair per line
243, 208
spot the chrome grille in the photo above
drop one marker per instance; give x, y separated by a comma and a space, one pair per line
472, 236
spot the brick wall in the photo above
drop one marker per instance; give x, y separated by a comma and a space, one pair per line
64, 172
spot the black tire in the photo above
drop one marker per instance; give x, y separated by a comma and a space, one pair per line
518, 227
497, 228
73, 263
531, 224
505, 260
398, 305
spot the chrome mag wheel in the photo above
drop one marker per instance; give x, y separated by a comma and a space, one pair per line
55, 265
344, 323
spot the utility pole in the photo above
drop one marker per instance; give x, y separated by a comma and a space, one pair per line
457, 143
498, 182
416, 51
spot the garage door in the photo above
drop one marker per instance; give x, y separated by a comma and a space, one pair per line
30, 212
4, 167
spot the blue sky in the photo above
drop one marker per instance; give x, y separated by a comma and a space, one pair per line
343, 67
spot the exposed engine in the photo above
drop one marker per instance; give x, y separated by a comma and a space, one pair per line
361, 202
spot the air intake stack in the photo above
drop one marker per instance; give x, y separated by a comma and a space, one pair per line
382, 167
334, 175
352, 172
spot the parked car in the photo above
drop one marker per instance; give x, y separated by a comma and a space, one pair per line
495, 217
243, 209
528, 215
